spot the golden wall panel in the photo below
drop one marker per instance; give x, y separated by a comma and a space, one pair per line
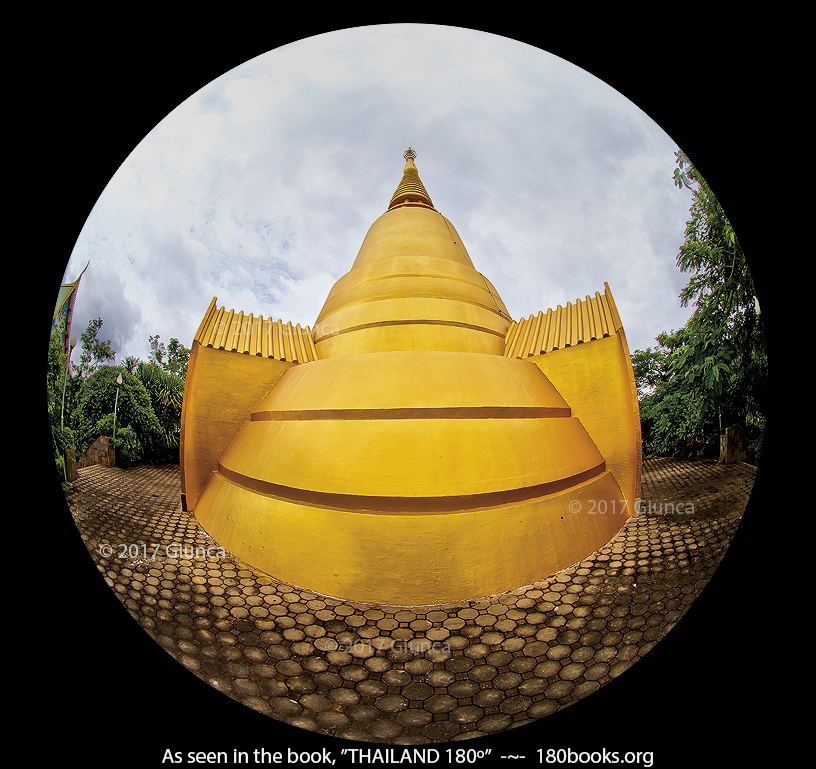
235, 360
584, 321
249, 334
227, 387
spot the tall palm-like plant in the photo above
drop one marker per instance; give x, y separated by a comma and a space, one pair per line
131, 363
166, 392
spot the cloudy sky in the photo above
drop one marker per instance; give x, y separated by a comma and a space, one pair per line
260, 187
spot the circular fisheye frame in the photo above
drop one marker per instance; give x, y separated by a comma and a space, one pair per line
397, 454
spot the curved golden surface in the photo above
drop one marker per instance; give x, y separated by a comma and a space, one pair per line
412, 287
405, 559
392, 380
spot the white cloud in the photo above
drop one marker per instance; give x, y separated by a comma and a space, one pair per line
259, 188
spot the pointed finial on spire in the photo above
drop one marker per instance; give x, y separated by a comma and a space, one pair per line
409, 156
410, 190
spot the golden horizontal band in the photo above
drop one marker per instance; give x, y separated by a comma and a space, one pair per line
407, 505
382, 323
395, 275
442, 412
414, 295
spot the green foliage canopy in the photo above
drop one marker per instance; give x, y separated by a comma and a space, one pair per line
95, 352
166, 391
148, 417
713, 372
172, 358
94, 414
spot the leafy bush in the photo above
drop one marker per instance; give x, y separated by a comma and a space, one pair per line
148, 417
97, 399
166, 392
129, 450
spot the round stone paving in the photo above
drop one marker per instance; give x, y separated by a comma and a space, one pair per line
403, 675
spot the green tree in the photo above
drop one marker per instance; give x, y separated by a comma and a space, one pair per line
166, 391
148, 418
172, 358
720, 286
674, 420
727, 345
158, 351
95, 352
130, 363
178, 356
650, 369
712, 373
95, 409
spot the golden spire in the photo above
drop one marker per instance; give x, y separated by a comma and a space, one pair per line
410, 190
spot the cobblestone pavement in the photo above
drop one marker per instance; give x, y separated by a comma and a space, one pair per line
408, 675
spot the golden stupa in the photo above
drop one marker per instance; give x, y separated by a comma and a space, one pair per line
418, 446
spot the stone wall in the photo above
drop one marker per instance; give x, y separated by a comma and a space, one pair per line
732, 447
70, 465
101, 452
